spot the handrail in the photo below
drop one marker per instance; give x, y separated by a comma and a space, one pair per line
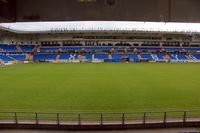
101, 118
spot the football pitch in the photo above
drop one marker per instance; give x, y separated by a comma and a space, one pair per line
99, 87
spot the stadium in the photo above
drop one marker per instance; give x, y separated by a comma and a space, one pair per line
98, 75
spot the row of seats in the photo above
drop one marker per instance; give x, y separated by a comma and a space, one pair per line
27, 48
117, 56
13, 48
19, 57
118, 48
13, 57
5, 58
30, 48
100, 56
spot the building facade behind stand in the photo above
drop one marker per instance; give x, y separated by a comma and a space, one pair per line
99, 47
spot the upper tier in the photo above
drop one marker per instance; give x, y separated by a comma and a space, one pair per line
30, 48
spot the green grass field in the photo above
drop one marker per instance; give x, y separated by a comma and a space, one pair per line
99, 87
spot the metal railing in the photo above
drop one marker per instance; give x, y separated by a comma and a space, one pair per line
99, 118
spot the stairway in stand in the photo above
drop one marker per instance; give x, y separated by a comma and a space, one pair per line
37, 48
139, 56
167, 57
58, 57
29, 57
18, 47
13, 59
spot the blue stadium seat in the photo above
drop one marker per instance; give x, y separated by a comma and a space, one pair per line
49, 49
192, 49
88, 56
197, 56
178, 57
67, 56
5, 58
19, 57
160, 56
64, 56
147, 56
88, 48
72, 48
9, 48
173, 49
44, 57
4, 48
117, 56
153, 49
182, 57
27, 48
101, 56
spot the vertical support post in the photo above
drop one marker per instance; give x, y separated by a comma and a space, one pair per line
79, 119
101, 120
36, 119
144, 118
165, 117
184, 116
58, 118
123, 119
16, 119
